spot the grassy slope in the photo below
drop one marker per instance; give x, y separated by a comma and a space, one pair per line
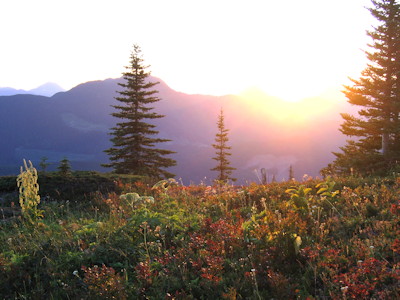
198, 242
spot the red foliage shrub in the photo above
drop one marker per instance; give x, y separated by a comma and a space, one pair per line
369, 279
103, 282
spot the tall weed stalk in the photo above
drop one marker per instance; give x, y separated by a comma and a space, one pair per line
29, 194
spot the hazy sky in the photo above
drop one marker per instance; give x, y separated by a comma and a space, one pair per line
290, 49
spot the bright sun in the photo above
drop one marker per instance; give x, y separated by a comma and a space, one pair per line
301, 84
289, 107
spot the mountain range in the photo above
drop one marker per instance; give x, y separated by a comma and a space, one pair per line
264, 132
47, 89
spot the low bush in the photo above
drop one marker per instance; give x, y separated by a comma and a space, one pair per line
79, 185
314, 240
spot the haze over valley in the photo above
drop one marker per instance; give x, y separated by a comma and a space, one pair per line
264, 131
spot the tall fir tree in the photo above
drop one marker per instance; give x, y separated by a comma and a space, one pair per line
376, 128
223, 164
134, 139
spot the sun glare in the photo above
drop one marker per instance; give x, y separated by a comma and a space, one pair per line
290, 107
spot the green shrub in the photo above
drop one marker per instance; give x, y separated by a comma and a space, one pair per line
317, 241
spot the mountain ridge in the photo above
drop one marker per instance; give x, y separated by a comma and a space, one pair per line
48, 89
75, 124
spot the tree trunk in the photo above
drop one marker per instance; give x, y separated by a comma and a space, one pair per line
385, 143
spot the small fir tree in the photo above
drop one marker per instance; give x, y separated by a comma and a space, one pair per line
44, 164
134, 140
291, 173
223, 164
65, 167
264, 179
273, 178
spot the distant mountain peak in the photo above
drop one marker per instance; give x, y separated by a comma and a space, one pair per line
265, 132
48, 89
7, 91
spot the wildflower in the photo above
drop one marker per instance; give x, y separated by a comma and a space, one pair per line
371, 247
345, 288
253, 270
75, 273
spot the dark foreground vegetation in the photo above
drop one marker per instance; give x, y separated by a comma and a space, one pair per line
75, 186
322, 240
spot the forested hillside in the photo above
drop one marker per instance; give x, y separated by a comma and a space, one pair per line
75, 124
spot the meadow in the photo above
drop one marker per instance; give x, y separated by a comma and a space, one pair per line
336, 238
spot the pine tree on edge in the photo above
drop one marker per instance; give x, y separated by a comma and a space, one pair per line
223, 164
377, 126
133, 150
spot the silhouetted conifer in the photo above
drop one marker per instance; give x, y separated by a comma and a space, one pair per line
291, 173
134, 140
65, 167
377, 125
223, 164
44, 164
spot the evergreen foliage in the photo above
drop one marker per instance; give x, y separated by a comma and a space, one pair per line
377, 125
134, 143
77, 187
291, 173
223, 164
331, 239
65, 167
44, 164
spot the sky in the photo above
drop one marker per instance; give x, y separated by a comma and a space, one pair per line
289, 49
